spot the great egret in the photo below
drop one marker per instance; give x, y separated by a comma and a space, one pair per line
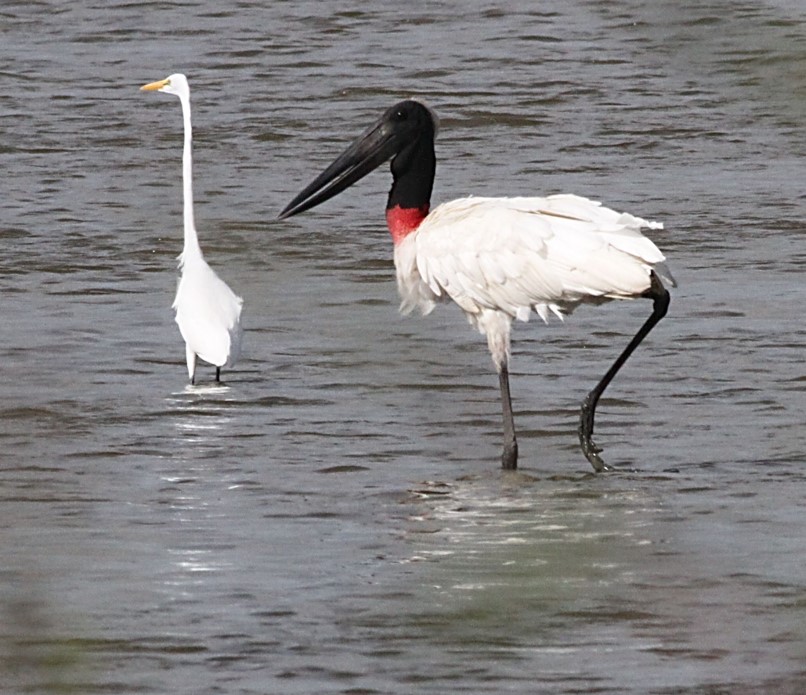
498, 258
208, 312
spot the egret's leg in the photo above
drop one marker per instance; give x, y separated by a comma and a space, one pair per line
191, 360
660, 304
509, 457
218, 375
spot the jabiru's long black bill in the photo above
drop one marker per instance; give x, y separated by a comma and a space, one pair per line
377, 145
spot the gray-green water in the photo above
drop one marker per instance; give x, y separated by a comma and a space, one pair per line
333, 519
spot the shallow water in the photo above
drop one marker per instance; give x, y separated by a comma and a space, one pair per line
333, 518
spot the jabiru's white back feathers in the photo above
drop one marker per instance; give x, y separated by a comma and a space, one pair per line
208, 312
499, 259
521, 254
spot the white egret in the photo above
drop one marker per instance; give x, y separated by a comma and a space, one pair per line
208, 312
499, 259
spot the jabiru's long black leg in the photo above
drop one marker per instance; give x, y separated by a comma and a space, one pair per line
509, 457
218, 375
660, 304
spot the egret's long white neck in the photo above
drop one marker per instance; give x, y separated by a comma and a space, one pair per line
191, 248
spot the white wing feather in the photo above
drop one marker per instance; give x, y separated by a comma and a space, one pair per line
208, 314
521, 254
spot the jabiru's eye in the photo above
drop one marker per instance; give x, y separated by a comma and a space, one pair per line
401, 115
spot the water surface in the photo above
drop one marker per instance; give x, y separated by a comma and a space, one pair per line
332, 519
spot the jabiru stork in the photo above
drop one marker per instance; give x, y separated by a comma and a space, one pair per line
208, 312
499, 259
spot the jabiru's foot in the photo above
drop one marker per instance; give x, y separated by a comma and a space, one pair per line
509, 457
589, 447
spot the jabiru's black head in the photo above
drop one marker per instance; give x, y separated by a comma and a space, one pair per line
405, 133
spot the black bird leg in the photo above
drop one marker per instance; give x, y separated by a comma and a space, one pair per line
660, 304
509, 457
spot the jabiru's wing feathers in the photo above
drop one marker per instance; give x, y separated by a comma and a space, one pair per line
621, 230
519, 254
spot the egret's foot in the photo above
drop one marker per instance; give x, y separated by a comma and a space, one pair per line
589, 447
509, 457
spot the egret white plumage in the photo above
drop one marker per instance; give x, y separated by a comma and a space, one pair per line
208, 312
499, 259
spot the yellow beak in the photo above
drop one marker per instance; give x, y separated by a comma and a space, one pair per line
151, 86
